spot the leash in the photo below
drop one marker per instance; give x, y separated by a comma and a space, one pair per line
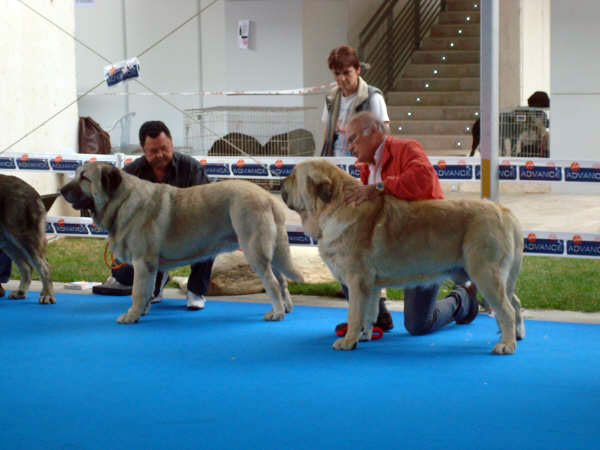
113, 265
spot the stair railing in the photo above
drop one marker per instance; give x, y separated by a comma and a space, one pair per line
391, 36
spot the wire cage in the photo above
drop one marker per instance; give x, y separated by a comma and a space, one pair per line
258, 131
525, 132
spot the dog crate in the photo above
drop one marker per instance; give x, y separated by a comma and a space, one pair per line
525, 132
258, 131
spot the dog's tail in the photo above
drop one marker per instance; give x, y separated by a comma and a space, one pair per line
48, 200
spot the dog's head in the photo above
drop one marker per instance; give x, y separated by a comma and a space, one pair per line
93, 186
309, 183
312, 186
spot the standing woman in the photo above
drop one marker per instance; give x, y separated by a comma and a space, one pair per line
351, 95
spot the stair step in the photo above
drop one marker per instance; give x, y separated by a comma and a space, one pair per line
450, 43
448, 17
433, 113
459, 143
441, 70
445, 56
426, 127
463, 5
437, 84
431, 98
454, 30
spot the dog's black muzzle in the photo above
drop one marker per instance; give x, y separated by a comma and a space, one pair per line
74, 195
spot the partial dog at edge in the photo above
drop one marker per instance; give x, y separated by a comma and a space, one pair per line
23, 235
390, 242
156, 226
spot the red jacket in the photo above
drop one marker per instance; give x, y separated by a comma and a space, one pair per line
406, 171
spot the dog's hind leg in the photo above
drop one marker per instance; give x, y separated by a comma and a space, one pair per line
25, 270
285, 293
514, 300
520, 324
257, 249
491, 283
47, 296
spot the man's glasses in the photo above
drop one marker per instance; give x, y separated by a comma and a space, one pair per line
354, 136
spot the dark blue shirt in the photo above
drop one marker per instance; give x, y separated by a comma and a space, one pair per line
184, 171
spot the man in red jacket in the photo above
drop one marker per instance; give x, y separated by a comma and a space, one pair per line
400, 167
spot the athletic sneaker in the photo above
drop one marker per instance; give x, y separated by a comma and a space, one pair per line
112, 287
195, 302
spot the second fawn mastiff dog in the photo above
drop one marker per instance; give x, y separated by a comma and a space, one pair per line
156, 227
391, 242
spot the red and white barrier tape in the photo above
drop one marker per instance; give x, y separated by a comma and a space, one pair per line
299, 91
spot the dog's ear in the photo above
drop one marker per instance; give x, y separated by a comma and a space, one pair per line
321, 186
111, 179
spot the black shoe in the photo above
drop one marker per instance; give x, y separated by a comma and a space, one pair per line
384, 318
2, 291
112, 287
473, 305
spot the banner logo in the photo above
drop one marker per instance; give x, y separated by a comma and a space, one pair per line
298, 238
533, 244
217, 169
531, 172
252, 170
453, 171
578, 247
582, 174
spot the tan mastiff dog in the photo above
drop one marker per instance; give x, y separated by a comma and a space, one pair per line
156, 227
391, 242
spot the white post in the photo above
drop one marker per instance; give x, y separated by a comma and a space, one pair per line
489, 98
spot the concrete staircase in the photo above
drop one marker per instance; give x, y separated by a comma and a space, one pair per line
436, 98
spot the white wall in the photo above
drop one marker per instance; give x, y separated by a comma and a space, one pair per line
535, 47
172, 66
289, 45
37, 69
575, 95
325, 26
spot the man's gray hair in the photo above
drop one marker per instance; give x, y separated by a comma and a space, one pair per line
367, 119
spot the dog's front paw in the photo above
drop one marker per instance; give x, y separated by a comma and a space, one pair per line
128, 318
344, 344
273, 316
17, 295
47, 299
503, 348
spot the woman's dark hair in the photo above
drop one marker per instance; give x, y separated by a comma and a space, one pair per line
342, 57
153, 128
539, 99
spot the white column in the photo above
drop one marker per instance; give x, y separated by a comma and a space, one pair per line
489, 63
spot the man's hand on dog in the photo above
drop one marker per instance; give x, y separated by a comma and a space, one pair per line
359, 193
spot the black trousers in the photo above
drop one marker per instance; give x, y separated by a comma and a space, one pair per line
5, 267
198, 282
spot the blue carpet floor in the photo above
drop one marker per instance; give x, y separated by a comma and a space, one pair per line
222, 378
